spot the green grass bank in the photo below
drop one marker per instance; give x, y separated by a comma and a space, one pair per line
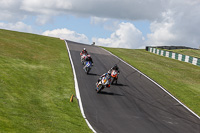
181, 79
190, 52
36, 82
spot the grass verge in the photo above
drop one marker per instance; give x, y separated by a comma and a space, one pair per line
190, 52
36, 82
179, 78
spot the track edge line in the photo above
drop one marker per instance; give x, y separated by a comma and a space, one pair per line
77, 89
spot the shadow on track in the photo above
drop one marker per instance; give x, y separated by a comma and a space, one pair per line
110, 93
119, 84
93, 74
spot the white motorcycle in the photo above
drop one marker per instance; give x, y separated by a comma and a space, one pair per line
103, 83
83, 57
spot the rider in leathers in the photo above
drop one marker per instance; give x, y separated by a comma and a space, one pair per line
88, 58
108, 76
84, 51
115, 67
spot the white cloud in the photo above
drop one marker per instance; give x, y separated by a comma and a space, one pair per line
173, 22
161, 31
48, 7
43, 19
177, 26
19, 26
126, 36
98, 20
67, 34
128, 9
5, 4
131, 10
17, 10
10, 11
106, 23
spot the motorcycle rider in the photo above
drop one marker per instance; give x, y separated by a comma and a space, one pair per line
108, 74
88, 58
84, 51
115, 67
83, 55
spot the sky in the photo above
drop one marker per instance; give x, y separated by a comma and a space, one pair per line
130, 24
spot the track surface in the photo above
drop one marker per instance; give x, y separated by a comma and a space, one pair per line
135, 105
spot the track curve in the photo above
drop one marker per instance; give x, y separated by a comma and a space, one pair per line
134, 105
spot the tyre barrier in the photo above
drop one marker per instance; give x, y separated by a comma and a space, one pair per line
176, 56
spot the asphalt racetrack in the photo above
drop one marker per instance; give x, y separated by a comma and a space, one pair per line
135, 105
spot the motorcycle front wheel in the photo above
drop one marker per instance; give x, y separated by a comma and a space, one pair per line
88, 70
100, 87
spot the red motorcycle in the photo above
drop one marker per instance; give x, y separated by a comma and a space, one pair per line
114, 76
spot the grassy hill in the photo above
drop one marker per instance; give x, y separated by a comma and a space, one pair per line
36, 83
190, 52
179, 78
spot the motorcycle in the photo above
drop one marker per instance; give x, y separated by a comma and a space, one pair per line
83, 57
114, 76
88, 66
103, 83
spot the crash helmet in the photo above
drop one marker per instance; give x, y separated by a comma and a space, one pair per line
115, 65
88, 56
84, 49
